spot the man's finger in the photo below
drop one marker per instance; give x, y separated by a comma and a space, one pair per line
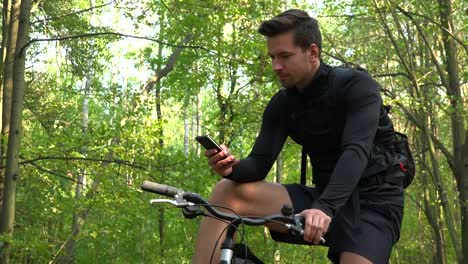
210, 152
316, 229
326, 225
307, 227
226, 162
319, 233
214, 159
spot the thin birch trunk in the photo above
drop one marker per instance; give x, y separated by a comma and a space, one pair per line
186, 132
12, 172
78, 216
279, 179
457, 121
9, 39
159, 115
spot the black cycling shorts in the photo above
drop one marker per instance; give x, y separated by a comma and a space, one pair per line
372, 235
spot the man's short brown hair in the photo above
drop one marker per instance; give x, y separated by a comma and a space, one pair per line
305, 28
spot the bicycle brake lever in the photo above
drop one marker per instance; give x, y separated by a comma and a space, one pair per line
298, 228
175, 203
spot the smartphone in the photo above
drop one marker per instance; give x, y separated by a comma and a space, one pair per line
208, 143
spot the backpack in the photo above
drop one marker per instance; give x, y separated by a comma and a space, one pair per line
403, 158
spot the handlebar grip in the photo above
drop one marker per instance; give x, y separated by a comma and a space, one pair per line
160, 189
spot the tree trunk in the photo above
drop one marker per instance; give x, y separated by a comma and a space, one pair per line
186, 132
279, 167
464, 200
279, 179
10, 24
430, 210
12, 173
161, 145
159, 116
196, 131
457, 121
79, 188
5, 37
155, 83
450, 80
443, 200
5, 29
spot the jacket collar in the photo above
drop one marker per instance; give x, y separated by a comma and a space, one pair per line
317, 86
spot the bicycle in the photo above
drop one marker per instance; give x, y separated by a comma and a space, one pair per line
192, 203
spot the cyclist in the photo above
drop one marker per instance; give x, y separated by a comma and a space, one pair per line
353, 204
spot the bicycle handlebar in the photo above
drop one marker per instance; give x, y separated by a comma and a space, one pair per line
170, 191
160, 189
186, 199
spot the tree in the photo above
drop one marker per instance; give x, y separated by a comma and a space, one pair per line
415, 78
20, 15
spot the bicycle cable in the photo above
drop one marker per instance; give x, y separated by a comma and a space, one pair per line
242, 232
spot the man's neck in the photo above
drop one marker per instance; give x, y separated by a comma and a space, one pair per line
314, 70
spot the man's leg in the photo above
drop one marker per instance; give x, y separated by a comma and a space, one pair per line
255, 198
353, 258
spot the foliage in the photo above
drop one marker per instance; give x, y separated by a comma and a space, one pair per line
219, 85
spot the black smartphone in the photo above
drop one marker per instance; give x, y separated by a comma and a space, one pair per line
208, 143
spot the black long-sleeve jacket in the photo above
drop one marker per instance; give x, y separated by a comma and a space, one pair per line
337, 129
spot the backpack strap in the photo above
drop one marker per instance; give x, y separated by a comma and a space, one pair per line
333, 98
303, 166
337, 77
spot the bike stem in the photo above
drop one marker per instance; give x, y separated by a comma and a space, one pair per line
228, 245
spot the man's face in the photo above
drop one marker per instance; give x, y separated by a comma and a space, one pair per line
294, 66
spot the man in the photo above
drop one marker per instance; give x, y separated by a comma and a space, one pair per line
352, 204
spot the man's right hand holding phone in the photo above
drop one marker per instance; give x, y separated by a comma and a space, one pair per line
221, 162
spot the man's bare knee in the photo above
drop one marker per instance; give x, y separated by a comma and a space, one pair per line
258, 197
236, 195
353, 258
222, 190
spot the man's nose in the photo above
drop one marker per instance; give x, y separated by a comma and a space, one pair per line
277, 67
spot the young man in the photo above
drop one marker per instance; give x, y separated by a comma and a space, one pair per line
349, 142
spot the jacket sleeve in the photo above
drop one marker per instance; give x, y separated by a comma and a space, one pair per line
362, 107
267, 145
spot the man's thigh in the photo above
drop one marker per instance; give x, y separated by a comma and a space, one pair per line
258, 198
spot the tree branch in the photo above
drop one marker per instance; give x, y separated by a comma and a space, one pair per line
168, 67
54, 173
72, 13
110, 33
429, 48
407, 13
340, 58
115, 161
389, 34
392, 75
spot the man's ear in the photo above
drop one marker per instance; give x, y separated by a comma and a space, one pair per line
314, 52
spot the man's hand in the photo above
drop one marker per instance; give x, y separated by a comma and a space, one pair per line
221, 162
316, 225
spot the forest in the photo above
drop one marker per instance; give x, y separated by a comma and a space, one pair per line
99, 95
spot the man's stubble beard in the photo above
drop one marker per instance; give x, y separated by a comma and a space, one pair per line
287, 85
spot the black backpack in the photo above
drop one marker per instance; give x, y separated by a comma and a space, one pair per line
404, 157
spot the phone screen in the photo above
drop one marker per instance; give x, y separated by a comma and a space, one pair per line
208, 143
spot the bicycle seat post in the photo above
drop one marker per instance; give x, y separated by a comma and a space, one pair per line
228, 245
